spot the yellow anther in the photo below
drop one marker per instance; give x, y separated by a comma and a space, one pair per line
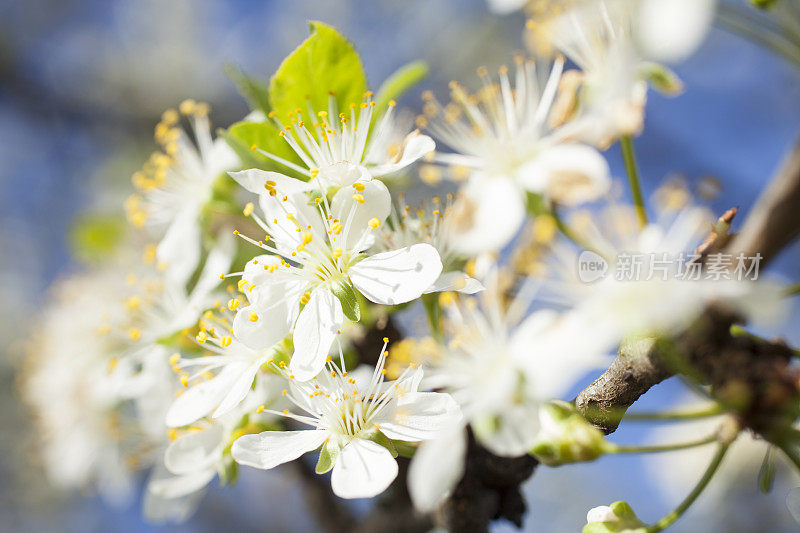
226, 341
248, 209
284, 392
134, 334
260, 409
306, 297
201, 337
358, 198
252, 316
358, 186
174, 358
337, 252
184, 380
233, 304
336, 228
307, 237
374, 223
386, 339
188, 106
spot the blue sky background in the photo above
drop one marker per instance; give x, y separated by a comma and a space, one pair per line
83, 82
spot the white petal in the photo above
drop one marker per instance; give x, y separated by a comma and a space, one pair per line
436, 468
670, 30
341, 174
415, 146
179, 250
569, 174
397, 276
201, 399
417, 416
316, 328
239, 388
355, 217
261, 326
194, 451
477, 227
504, 7
363, 469
455, 281
513, 432
272, 448
218, 262
169, 486
254, 180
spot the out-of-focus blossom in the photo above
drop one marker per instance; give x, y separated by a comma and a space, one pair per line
502, 136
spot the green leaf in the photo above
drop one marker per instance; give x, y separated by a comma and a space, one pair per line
384, 441
324, 63
348, 298
327, 457
256, 92
229, 473
399, 82
93, 237
242, 136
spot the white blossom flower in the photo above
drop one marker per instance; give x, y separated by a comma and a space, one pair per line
502, 135
197, 454
339, 149
318, 261
500, 367
432, 226
176, 184
84, 436
614, 42
351, 420
646, 266
223, 376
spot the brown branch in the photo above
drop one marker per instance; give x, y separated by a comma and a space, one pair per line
733, 366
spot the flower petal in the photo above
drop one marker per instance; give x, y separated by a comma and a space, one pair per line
363, 469
419, 416
272, 448
239, 388
415, 146
194, 451
254, 180
436, 468
201, 399
397, 276
569, 174
670, 30
455, 281
316, 328
355, 216
179, 250
476, 227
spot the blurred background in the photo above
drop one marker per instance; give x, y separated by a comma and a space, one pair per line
83, 82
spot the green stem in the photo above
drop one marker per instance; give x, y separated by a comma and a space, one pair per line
676, 415
629, 157
676, 513
564, 228
434, 314
662, 447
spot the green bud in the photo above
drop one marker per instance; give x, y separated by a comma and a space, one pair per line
616, 518
566, 437
662, 79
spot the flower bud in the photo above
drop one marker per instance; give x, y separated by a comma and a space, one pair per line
566, 437
616, 518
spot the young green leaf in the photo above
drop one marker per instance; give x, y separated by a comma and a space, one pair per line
256, 92
324, 63
383, 440
399, 82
